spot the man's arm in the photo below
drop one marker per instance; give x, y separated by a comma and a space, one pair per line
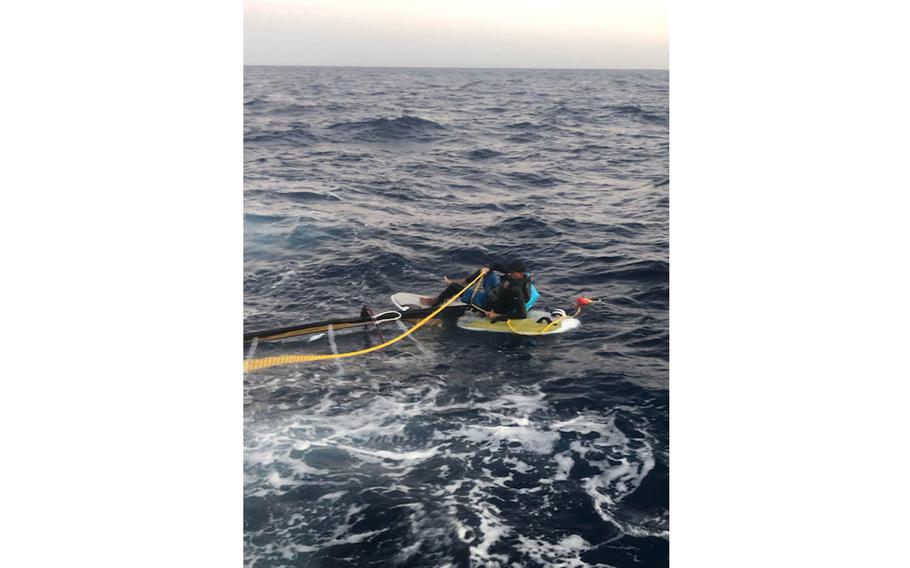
522, 313
464, 281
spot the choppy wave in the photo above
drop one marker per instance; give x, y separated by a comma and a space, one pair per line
484, 489
536, 180
293, 134
457, 449
309, 196
639, 114
483, 154
383, 129
644, 271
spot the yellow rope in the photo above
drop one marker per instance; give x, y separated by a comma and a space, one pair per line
266, 362
545, 327
474, 293
552, 323
541, 332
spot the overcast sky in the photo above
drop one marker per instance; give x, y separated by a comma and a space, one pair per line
629, 34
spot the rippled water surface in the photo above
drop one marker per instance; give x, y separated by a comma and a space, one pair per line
459, 448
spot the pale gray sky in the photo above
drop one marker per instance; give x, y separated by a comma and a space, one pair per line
466, 33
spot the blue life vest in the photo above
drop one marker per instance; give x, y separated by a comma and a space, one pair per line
534, 295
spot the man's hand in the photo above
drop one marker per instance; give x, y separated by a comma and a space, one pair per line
491, 314
485, 270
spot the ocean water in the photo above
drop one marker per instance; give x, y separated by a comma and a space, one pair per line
457, 448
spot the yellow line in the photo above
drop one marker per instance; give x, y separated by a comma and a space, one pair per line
266, 362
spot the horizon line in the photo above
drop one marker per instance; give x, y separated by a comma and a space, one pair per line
457, 67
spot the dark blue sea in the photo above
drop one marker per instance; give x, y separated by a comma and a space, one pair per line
460, 448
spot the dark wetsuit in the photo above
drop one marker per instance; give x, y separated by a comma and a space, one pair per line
509, 297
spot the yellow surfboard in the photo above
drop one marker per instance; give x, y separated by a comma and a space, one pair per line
530, 326
473, 321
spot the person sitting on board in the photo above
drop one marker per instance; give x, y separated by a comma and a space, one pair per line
508, 297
